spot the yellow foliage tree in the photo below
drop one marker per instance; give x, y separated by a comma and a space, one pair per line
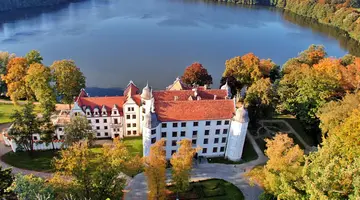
155, 171
181, 162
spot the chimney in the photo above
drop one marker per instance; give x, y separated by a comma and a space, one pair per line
214, 97
176, 98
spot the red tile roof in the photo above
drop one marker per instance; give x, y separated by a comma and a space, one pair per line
131, 87
194, 110
183, 95
108, 102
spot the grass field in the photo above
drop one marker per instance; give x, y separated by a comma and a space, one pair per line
6, 109
39, 161
249, 154
212, 189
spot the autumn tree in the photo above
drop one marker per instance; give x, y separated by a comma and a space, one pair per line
282, 174
155, 171
6, 180
77, 130
15, 79
196, 74
5, 57
248, 69
38, 78
260, 99
24, 126
69, 80
181, 162
33, 56
31, 187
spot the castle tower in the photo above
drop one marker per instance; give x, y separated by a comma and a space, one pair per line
237, 135
151, 124
228, 89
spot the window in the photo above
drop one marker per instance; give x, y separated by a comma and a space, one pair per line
134, 132
89, 121
60, 129
218, 123
163, 125
174, 134
134, 124
227, 122
217, 132
106, 134
216, 140
193, 141
207, 132
128, 125
87, 113
105, 127
127, 116
35, 138
204, 150
214, 149
98, 127
96, 113
115, 112
98, 134
196, 123
114, 129
183, 124
173, 151
104, 113
173, 143
153, 140
118, 129
206, 141
134, 116
115, 121
208, 123
129, 132
130, 108
182, 133
143, 110
96, 120
223, 140
153, 132
225, 131
163, 134
175, 125
222, 149
105, 120
194, 133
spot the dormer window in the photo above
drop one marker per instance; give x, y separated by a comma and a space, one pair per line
104, 113
88, 113
96, 113
115, 112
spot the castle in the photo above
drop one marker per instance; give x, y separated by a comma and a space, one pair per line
208, 117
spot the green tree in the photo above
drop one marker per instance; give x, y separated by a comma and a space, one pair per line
155, 171
5, 57
33, 56
77, 130
196, 74
6, 180
69, 80
24, 126
31, 187
38, 78
181, 162
260, 99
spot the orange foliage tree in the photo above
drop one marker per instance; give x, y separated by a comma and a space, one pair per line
155, 171
196, 74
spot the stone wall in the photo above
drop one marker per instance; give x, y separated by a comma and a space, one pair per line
7, 5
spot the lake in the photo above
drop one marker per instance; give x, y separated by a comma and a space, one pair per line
114, 41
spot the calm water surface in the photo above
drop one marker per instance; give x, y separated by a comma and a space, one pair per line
114, 41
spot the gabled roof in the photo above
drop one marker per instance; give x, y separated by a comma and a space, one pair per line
108, 102
183, 95
178, 85
194, 110
131, 88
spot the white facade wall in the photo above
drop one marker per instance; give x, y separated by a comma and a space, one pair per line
236, 142
37, 145
198, 139
131, 118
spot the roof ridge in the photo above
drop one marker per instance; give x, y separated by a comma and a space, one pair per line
202, 100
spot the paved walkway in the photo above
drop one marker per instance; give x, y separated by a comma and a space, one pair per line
4, 149
137, 188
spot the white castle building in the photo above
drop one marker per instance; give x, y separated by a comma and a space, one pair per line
208, 117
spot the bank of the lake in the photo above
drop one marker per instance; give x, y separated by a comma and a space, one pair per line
335, 15
8, 5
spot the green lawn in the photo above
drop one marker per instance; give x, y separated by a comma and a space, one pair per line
39, 161
6, 109
249, 154
134, 144
212, 189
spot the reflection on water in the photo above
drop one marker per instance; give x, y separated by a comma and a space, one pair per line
114, 41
